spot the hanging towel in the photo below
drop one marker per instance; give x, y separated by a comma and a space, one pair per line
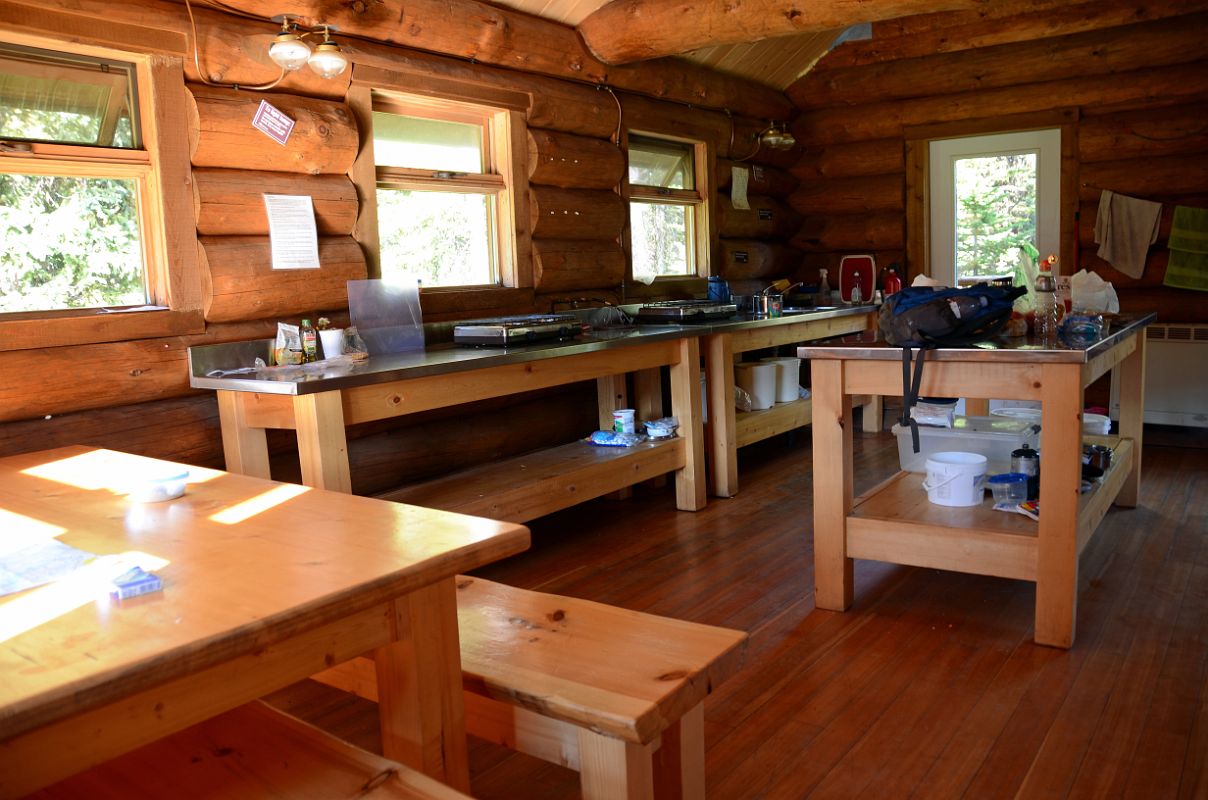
1125, 227
1188, 243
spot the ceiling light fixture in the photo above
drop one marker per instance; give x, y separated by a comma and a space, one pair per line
289, 50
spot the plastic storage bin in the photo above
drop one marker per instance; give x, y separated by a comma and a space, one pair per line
992, 437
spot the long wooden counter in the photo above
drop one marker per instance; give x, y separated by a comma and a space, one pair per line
319, 406
894, 522
728, 429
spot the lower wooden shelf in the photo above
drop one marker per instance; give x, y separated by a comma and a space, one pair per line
526, 487
755, 426
895, 522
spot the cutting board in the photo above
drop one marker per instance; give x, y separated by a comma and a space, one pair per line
849, 267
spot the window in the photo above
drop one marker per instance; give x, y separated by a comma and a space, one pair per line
993, 199
444, 193
73, 183
666, 208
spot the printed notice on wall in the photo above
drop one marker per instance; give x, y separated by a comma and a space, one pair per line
738, 187
291, 229
273, 123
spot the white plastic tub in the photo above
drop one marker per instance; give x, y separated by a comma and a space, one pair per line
992, 437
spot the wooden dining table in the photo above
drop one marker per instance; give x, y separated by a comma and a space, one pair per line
263, 584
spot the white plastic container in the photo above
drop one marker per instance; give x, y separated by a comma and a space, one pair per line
788, 374
759, 381
623, 421
992, 437
332, 340
1092, 424
955, 479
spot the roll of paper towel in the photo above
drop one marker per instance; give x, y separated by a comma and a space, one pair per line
759, 380
788, 372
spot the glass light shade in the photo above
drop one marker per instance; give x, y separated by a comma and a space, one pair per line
327, 60
289, 51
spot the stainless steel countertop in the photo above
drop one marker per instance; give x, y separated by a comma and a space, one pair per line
870, 347
448, 358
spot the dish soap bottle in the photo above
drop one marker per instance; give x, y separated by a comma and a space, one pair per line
892, 283
310, 342
824, 295
857, 296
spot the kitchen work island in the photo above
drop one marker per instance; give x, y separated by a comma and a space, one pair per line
318, 406
894, 521
264, 584
729, 429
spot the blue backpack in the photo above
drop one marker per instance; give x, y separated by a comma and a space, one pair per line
925, 318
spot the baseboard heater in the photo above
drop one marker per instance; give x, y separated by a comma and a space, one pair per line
1176, 376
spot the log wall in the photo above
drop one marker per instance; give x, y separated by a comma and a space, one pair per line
135, 395
1131, 77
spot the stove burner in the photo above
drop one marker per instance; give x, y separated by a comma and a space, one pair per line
518, 330
671, 312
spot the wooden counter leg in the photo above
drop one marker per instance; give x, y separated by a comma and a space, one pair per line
1132, 417
322, 443
245, 447
612, 393
648, 402
976, 406
720, 430
419, 687
686, 406
874, 412
833, 480
1060, 480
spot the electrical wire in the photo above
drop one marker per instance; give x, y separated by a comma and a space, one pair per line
201, 74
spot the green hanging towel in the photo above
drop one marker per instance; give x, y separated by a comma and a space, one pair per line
1188, 243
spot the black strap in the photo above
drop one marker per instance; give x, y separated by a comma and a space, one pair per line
910, 391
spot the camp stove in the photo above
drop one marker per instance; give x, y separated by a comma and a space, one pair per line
519, 330
676, 312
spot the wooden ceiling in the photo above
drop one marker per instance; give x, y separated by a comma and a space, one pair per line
775, 63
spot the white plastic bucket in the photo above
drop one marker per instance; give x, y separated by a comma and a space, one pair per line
759, 380
788, 373
955, 479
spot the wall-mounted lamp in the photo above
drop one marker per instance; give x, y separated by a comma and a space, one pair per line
290, 50
777, 137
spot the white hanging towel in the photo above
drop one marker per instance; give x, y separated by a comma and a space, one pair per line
1125, 227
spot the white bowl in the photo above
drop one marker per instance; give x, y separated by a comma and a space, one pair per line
159, 487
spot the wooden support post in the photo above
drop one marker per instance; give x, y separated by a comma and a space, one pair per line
723, 457
424, 730
1060, 481
245, 447
874, 410
833, 478
613, 769
686, 405
322, 442
679, 763
648, 402
612, 393
1132, 417
977, 406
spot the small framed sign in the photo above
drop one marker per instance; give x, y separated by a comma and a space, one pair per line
765, 213
740, 256
273, 123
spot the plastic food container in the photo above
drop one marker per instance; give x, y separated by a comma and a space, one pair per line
993, 437
1009, 487
157, 487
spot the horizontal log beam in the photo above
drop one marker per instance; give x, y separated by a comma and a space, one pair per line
490, 34
855, 233
230, 202
1102, 52
1169, 131
888, 119
1009, 22
573, 162
573, 265
748, 259
623, 31
850, 195
761, 179
844, 160
322, 141
575, 213
239, 283
767, 218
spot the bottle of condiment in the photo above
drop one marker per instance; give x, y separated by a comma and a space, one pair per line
310, 342
857, 296
892, 283
1048, 315
824, 295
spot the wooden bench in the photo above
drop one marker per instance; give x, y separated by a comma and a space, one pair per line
613, 693
253, 751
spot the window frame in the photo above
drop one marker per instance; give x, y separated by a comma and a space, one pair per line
697, 199
503, 111
166, 220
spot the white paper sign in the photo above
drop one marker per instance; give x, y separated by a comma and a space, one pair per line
738, 187
291, 228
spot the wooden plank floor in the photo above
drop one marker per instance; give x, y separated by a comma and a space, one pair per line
930, 687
